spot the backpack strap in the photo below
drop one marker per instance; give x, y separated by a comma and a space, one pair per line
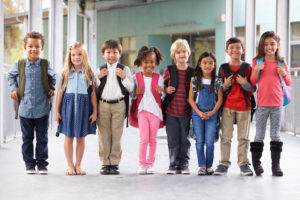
21, 70
45, 81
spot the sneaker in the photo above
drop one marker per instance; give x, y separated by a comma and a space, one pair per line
142, 169
42, 169
114, 170
185, 170
202, 171
245, 170
105, 170
178, 170
209, 171
221, 170
171, 171
150, 169
30, 169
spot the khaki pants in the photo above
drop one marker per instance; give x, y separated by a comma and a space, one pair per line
243, 126
110, 126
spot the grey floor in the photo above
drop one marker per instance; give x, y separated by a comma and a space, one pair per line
15, 184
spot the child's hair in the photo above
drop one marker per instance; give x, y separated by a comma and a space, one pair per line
144, 51
35, 35
198, 73
233, 40
178, 45
261, 45
112, 44
86, 67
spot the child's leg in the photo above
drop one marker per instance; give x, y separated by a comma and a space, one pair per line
262, 114
185, 144
173, 136
68, 147
228, 117
27, 127
41, 152
80, 146
275, 120
199, 129
144, 136
243, 126
210, 134
154, 123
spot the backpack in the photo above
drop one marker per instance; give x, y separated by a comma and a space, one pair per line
242, 71
285, 89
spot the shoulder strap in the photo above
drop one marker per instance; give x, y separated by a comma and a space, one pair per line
44, 68
226, 69
194, 83
21, 70
258, 61
242, 71
140, 80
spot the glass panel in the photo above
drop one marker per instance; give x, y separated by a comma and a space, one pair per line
295, 55
266, 15
295, 33
15, 6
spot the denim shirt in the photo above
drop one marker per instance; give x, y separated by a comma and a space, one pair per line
35, 103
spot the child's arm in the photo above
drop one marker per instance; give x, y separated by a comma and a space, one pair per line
58, 103
245, 84
255, 71
166, 76
160, 87
93, 116
126, 77
193, 103
218, 104
284, 72
12, 81
51, 80
225, 82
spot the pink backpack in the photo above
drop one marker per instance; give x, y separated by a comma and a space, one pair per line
133, 110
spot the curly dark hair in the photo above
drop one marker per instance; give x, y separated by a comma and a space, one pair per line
198, 73
34, 35
144, 51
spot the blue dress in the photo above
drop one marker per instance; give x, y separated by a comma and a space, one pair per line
76, 107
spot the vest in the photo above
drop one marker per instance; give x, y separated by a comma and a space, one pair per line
133, 113
21, 70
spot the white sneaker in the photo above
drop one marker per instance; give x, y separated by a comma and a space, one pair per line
142, 169
150, 169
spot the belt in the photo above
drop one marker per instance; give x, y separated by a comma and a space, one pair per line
112, 101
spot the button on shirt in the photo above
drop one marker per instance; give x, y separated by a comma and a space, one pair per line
111, 89
35, 103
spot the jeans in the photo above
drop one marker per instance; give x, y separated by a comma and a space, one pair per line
40, 125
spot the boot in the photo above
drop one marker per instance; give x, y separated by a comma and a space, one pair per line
256, 149
276, 148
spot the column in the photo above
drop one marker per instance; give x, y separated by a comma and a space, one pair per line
72, 21
228, 23
1, 72
250, 31
91, 33
35, 16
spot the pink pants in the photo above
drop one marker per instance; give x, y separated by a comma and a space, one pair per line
148, 125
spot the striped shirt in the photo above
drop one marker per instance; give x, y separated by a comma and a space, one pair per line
179, 106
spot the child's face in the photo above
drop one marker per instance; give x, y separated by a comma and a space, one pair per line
33, 47
270, 46
149, 64
76, 57
181, 56
207, 65
111, 55
235, 51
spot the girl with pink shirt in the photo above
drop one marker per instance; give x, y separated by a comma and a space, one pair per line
147, 115
269, 68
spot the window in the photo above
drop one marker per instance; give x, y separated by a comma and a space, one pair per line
128, 52
295, 44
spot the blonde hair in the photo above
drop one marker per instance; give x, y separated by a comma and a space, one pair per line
86, 67
178, 45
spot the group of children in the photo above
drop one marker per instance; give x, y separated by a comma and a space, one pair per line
182, 94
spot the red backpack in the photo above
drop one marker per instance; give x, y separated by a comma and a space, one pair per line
134, 107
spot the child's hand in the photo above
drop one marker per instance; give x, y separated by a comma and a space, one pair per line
241, 80
51, 93
281, 70
260, 66
58, 117
228, 81
93, 118
120, 73
170, 90
159, 90
103, 72
138, 91
208, 114
14, 95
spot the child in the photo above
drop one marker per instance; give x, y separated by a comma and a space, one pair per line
148, 114
269, 99
76, 105
178, 112
32, 82
205, 109
237, 107
113, 92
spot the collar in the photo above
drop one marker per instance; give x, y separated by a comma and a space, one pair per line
73, 69
112, 65
37, 62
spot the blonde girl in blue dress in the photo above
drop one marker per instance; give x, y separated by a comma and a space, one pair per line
76, 105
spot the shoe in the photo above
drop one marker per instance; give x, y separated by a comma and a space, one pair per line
142, 170
221, 170
171, 171
256, 149
209, 171
276, 148
30, 169
42, 169
105, 170
202, 171
185, 170
150, 169
245, 170
114, 169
